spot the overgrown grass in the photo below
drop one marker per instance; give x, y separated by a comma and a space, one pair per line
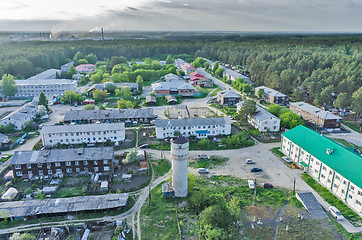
5, 158
353, 125
209, 163
161, 167
331, 199
277, 151
165, 146
347, 144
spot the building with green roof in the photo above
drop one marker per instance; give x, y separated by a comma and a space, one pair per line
330, 163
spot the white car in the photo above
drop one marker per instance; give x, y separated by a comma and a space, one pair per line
249, 161
203, 170
287, 159
336, 213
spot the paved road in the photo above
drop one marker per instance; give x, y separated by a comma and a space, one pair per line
353, 137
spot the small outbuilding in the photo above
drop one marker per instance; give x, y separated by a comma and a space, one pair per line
10, 194
150, 100
171, 99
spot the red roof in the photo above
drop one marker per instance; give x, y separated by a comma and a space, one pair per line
85, 67
187, 66
196, 76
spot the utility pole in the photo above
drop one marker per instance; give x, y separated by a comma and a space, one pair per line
42, 230
149, 195
294, 187
102, 34
254, 191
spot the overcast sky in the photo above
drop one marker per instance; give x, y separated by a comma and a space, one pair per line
182, 15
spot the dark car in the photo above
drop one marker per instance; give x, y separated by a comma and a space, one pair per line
267, 185
144, 146
256, 170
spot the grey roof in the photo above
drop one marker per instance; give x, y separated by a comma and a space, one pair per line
171, 98
262, 114
83, 128
150, 99
47, 74
64, 205
271, 92
192, 122
179, 140
68, 64
234, 73
315, 111
61, 155
44, 82
3, 138
108, 114
23, 112
172, 85
229, 94
100, 86
172, 77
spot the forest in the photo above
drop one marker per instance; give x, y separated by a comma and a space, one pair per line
325, 69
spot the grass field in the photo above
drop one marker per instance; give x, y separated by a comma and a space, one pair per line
209, 163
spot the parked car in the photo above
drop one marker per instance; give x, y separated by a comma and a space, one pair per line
256, 170
203, 170
287, 159
202, 156
144, 146
267, 185
336, 213
249, 161
251, 184
294, 166
231, 117
22, 141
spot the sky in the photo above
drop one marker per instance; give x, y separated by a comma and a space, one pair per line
181, 15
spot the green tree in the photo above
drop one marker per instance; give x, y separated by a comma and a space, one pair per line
203, 143
177, 133
40, 194
131, 157
247, 109
71, 97
43, 101
139, 80
82, 61
206, 65
198, 201
215, 67
290, 120
357, 102
89, 107
110, 87
217, 216
343, 100
325, 97
123, 104
8, 85
84, 81
246, 88
96, 78
260, 93
274, 109
219, 71
100, 94
169, 59
71, 71
91, 58
23, 236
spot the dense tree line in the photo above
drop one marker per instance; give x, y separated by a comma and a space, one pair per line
318, 67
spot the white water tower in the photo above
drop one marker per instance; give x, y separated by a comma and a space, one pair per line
180, 162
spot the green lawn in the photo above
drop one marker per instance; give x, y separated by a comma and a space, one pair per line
333, 200
353, 125
161, 167
209, 163
277, 151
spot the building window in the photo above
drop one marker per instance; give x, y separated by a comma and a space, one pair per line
50, 172
358, 202
324, 168
17, 166
329, 180
69, 170
96, 169
57, 164
77, 169
77, 163
337, 177
19, 174
106, 168
330, 172
315, 170
30, 173
350, 196
95, 162
342, 191
68, 163
359, 192
49, 165
317, 163
40, 165
41, 173
28, 166
344, 182
105, 161
86, 169
352, 187
85, 163
58, 171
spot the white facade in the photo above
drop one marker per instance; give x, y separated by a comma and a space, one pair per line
32, 88
263, 120
180, 157
339, 185
85, 133
199, 127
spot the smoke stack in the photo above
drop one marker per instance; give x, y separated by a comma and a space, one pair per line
102, 34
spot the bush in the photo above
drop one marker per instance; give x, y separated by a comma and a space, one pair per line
28, 191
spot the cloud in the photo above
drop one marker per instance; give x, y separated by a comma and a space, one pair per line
226, 15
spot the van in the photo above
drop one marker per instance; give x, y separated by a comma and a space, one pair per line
336, 213
251, 184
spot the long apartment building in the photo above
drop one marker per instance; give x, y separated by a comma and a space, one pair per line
272, 96
55, 87
20, 116
334, 166
144, 115
316, 115
199, 127
85, 133
29, 164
